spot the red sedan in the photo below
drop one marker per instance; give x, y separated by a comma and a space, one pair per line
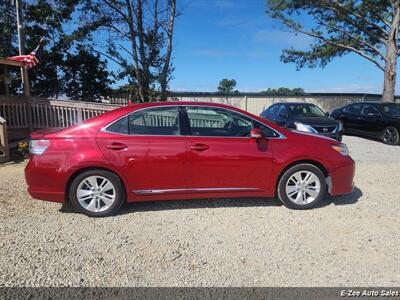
182, 150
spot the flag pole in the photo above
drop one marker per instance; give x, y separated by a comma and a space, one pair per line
21, 46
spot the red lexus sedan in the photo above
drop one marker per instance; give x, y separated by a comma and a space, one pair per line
183, 150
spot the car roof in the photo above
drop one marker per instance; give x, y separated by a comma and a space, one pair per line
294, 103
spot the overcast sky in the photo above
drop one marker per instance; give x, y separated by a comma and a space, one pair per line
217, 39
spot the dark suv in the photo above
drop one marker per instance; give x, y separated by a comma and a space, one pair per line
304, 117
379, 120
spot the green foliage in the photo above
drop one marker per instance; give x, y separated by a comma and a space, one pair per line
337, 26
282, 91
227, 85
85, 76
53, 21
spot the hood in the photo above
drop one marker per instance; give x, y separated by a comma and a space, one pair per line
312, 121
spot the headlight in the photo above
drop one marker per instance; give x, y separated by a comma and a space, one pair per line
304, 127
341, 148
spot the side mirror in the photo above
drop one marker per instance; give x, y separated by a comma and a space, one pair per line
327, 114
256, 134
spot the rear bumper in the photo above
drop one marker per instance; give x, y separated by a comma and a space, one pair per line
46, 195
342, 177
45, 182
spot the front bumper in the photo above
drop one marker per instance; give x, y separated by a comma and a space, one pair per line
337, 136
342, 177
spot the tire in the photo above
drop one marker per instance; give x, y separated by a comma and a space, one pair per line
390, 136
302, 196
97, 193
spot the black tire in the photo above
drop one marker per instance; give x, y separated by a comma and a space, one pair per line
281, 188
390, 136
114, 180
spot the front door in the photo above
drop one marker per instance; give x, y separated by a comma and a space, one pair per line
147, 148
371, 121
221, 155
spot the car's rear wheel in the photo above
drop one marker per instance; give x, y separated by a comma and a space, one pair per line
390, 136
302, 186
97, 193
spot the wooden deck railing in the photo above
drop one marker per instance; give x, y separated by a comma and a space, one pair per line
36, 113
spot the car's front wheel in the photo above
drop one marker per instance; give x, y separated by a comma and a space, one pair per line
97, 193
302, 186
391, 136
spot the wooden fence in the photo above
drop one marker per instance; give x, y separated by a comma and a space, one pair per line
36, 113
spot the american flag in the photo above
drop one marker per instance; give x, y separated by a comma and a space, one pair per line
33, 58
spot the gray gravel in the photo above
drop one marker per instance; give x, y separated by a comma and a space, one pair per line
348, 241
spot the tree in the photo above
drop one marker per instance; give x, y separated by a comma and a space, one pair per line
369, 28
140, 40
49, 20
86, 77
226, 85
282, 91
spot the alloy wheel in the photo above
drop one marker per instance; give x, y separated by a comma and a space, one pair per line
303, 187
390, 136
96, 193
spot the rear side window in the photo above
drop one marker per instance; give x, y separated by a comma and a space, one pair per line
120, 126
155, 121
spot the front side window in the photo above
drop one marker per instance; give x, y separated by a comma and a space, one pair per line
155, 121
368, 109
213, 121
268, 132
282, 111
272, 110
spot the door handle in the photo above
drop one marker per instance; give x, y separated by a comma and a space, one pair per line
199, 147
116, 146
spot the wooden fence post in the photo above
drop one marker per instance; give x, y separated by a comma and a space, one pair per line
4, 151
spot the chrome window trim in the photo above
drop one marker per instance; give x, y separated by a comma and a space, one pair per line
104, 129
191, 190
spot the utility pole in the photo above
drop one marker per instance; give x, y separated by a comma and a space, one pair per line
21, 46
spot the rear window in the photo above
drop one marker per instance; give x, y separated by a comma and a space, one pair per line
354, 108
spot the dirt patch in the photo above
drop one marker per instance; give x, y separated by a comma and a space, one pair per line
348, 241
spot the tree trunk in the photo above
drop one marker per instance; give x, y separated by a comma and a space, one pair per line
167, 62
389, 79
392, 52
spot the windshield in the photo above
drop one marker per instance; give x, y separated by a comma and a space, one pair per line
392, 109
306, 110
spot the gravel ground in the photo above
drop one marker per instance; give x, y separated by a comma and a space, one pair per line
348, 241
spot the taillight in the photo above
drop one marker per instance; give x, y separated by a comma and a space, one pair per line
37, 147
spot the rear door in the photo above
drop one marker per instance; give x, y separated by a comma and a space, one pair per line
222, 157
148, 149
